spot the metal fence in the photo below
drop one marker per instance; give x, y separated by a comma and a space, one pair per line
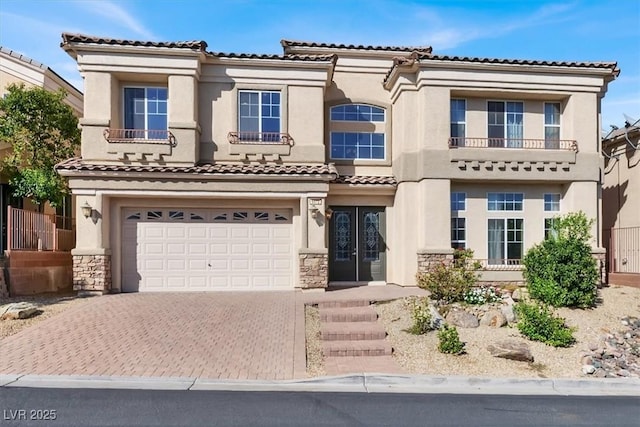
624, 250
33, 231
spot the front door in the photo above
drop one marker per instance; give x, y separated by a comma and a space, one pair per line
357, 249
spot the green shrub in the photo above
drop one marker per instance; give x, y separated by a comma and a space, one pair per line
450, 341
538, 323
561, 270
422, 322
450, 282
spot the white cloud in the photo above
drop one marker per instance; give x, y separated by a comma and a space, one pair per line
446, 36
117, 15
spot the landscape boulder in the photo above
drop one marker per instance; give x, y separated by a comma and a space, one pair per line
18, 310
510, 349
493, 318
462, 319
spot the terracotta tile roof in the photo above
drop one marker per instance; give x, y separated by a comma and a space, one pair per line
294, 43
617, 134
425, 58
23, 58
363, 179
77, 165
289, 57
577, 64
83, 38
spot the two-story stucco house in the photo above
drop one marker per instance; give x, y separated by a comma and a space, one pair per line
327, 164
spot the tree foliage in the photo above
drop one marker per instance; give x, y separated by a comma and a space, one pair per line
561, 270
41, 130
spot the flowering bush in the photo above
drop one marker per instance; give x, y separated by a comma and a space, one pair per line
482, 295
421, 317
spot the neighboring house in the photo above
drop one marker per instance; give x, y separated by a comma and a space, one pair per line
621, 203
42, 272
330, 163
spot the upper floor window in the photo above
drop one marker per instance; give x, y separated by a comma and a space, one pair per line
552, 125
551, 202
145, 108
363, 138
505, 123
357, 113
259, 115
505, 201
458, 118
458, 201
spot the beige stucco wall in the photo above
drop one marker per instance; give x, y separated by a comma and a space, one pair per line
621, 188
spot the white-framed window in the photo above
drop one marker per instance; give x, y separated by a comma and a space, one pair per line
357, 113
145, 108
458, 233
458, 118
505, 123
458, 201
359, 141
357, 145
552, 125
552, 202
549, 230
505, 201
505, 240
259, 115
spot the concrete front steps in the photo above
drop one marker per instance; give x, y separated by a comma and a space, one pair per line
352, 338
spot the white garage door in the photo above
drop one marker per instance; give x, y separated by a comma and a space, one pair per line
200, 250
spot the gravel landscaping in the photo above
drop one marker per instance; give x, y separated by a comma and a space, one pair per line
315, 361
418, 353
48, 304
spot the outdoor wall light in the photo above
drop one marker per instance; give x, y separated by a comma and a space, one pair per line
328, 213
86, 209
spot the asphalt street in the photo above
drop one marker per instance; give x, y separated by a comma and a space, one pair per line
101, 407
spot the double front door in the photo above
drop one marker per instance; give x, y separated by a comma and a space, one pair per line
357, 249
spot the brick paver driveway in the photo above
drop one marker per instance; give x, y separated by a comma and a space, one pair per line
230, 335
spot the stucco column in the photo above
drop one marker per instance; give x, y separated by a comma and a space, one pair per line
183, 113
91, 257
434, 237
313, 258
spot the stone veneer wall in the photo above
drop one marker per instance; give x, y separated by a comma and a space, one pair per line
428, 260
92, 273
314, 270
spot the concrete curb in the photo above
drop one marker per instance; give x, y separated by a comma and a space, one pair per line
359, 383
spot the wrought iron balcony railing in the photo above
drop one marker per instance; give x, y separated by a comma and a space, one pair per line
268, 138
140, 136
499, 264
535, 144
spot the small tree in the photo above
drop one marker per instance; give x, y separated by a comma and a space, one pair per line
561, 270
42, 130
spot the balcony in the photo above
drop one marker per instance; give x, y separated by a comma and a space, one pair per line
263, 138
260, 145
510, 143
142, 144
139, 136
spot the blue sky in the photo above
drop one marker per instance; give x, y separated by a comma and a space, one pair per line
583, 30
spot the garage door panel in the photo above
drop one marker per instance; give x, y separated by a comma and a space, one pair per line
185, 250
240, 248
177, 265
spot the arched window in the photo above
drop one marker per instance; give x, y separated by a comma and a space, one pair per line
358, 140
